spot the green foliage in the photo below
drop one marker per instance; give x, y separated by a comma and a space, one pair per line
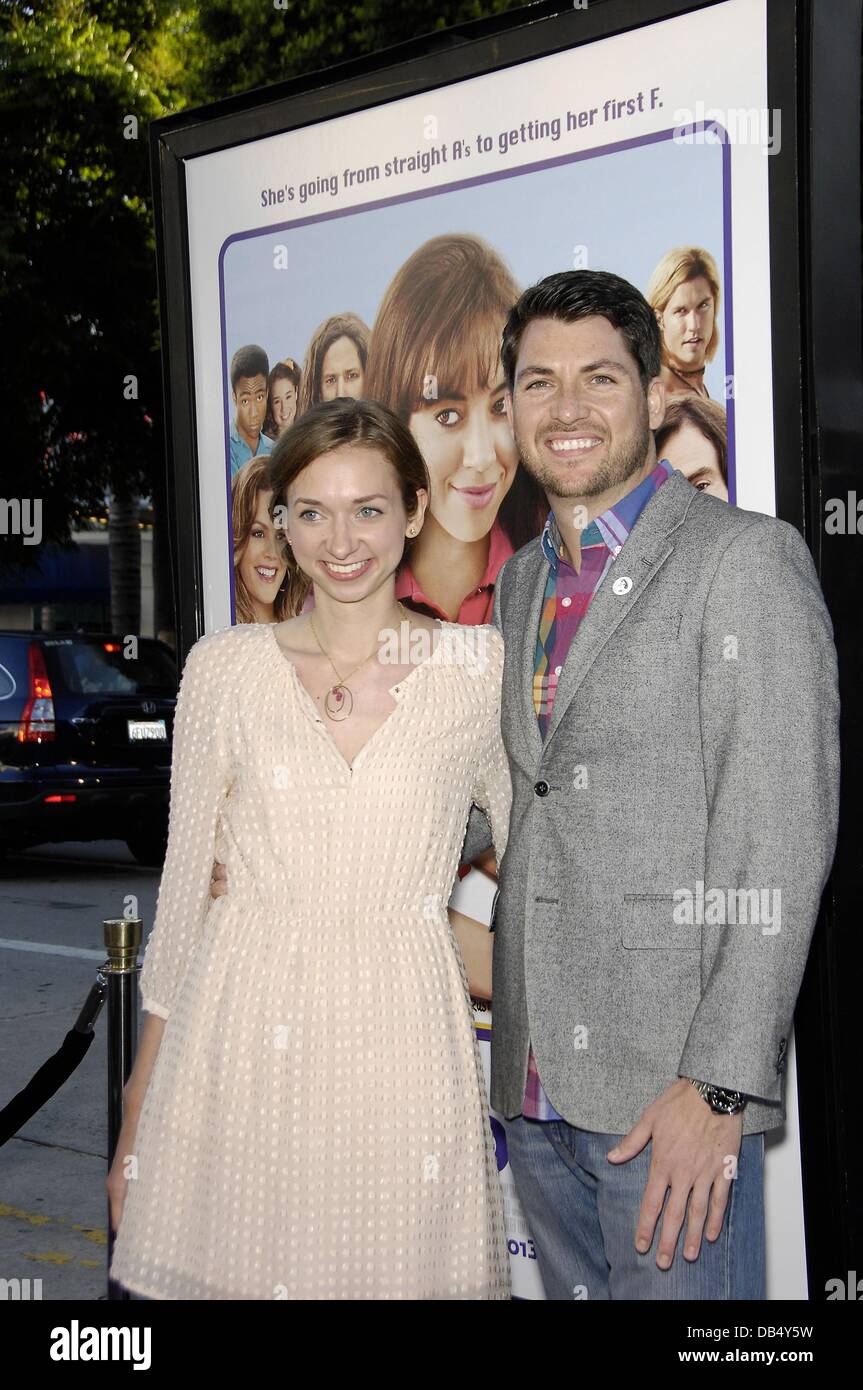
77, 287
249, 43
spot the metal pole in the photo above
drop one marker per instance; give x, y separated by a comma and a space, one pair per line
122, 942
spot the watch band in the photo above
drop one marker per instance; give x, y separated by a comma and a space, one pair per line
721, 1101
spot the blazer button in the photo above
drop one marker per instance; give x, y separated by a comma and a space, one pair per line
541, 788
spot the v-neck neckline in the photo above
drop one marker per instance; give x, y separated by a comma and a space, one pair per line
319, 720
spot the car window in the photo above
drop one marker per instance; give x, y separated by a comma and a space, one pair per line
8, 683
99, 667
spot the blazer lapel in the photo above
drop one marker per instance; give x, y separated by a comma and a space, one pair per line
642, 555
527, 606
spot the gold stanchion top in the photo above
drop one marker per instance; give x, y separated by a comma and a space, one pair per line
122, 940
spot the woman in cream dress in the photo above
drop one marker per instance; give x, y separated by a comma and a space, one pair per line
306, 1118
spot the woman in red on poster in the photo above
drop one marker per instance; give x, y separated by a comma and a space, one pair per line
434, 360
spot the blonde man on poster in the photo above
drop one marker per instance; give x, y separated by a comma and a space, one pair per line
684, 294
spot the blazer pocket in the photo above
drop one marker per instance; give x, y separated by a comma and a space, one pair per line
649, 925
663, 624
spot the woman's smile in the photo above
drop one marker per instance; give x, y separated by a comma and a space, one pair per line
476, 497
350, 570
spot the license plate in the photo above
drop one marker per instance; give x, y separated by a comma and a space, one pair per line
147, 731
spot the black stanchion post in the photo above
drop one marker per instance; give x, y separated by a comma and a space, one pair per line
122, 942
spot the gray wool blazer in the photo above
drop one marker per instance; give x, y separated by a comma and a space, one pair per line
670, 839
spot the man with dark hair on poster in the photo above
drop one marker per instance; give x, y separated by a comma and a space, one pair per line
250, 369
670, 714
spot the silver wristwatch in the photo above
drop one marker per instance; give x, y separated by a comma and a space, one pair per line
721, 1102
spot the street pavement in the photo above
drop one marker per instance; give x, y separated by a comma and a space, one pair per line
53, 1205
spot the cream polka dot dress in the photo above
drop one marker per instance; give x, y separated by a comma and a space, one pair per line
315, 1126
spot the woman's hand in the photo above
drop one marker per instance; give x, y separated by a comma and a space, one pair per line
218, 880
476, 943
116, 1182
133, 1099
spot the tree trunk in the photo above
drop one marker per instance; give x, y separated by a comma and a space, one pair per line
124, 542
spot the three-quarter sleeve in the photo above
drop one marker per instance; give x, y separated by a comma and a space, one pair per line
492, 791
200, 778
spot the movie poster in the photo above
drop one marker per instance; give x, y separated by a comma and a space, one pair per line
346, 257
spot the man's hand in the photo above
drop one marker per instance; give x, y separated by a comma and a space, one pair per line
218, 880
694, 1151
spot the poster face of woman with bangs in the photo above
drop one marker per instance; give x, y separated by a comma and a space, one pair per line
435, 362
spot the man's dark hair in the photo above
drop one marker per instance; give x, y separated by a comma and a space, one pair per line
249, 361
570, 295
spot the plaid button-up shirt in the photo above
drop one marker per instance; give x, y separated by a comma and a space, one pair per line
567, 598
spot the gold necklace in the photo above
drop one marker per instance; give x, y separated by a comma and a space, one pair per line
343, 706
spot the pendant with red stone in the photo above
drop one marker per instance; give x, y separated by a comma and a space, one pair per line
343, 702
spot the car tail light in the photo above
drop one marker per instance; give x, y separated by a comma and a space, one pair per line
37, 721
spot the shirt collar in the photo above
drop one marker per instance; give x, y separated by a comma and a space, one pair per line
499, 550
238, 441
615, 523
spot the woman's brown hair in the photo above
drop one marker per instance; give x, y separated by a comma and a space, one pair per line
247, 485
339, 326
325, 429
706, 416
438, 330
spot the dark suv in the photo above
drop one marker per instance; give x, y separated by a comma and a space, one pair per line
86, 726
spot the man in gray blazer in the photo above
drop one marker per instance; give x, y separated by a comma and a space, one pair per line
670, 715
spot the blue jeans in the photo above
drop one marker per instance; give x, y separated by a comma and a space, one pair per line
582, 1212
